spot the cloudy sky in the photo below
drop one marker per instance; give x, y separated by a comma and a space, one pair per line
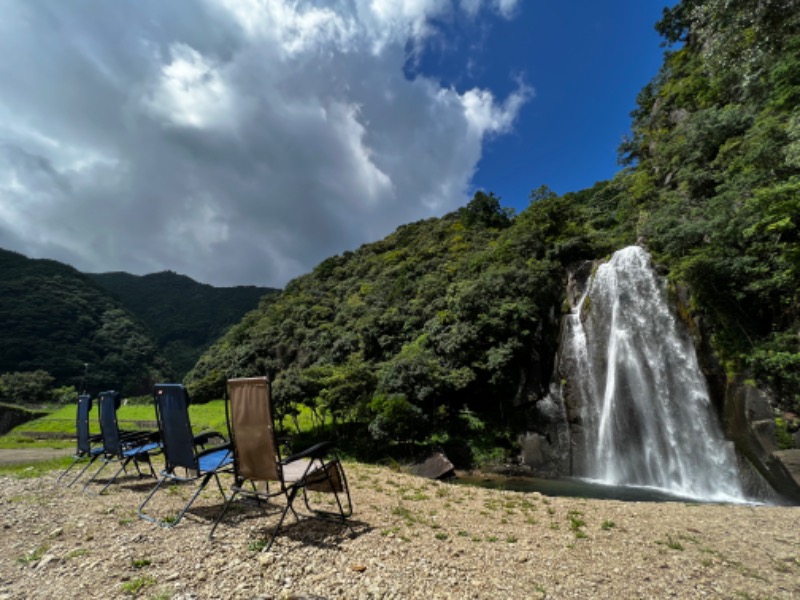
244, 141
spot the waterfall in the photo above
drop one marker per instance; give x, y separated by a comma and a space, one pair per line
644, 404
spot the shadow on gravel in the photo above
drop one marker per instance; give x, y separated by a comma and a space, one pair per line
311, 531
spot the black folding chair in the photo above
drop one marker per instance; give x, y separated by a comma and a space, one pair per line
257, 459
89, 447
121, 447
184, 455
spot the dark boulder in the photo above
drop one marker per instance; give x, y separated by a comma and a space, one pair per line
436, 466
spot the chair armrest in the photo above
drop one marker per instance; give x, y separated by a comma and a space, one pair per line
136, 438
315, 451
203, 438
130, 434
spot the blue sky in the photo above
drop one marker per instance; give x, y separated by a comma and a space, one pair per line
586, 61
245, 141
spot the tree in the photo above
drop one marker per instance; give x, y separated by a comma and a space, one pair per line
26, 387
484, 210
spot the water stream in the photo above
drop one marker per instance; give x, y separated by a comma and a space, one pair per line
645, 408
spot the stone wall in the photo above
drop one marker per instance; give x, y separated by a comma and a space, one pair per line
11, 416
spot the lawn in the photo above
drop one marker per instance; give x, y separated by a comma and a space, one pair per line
61, 422
57, 429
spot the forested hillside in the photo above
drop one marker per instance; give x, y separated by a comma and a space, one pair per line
184, 316
446, 330
130, 330
55, 319
715, 176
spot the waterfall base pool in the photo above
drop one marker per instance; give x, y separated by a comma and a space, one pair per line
571, 487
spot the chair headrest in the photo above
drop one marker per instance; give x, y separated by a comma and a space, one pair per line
87, 400
116, 395
160, 389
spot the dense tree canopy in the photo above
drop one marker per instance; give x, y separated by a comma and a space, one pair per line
444, 318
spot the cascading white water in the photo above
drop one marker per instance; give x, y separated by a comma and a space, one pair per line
645, 407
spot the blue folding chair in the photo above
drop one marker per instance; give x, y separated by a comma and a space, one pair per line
185, 457
88, 446
121, 447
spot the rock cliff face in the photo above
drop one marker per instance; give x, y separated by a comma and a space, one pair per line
749, 420
557, 446
748, 416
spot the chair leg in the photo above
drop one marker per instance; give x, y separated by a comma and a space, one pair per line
94, 476
141, 513
146, 459
191, 501
83, 470
178, 518
289, 500
349, 512
222, 513
342, 514
219, 486
69, 468
114, 477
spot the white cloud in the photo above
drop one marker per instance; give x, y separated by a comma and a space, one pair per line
236, 141
507, 8
191, 92
483, 114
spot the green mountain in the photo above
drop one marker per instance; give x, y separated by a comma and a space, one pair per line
56, 319
446, 330
129, 330
184, 316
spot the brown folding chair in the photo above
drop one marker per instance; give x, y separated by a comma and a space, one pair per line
257, 459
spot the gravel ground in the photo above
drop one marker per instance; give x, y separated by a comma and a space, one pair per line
410, 538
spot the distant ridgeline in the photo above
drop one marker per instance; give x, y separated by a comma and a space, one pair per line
445, 332
184, 316
55, 319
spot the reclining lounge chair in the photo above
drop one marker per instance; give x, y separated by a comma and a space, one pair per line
123, 447
184, 453
88, 446
257, 459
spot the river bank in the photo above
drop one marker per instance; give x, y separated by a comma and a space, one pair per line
411, 538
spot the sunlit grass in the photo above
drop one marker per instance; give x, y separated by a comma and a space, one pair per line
305, 421
208, 416
204, 417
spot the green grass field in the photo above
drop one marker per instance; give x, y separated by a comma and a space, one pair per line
57, 429
61, 422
